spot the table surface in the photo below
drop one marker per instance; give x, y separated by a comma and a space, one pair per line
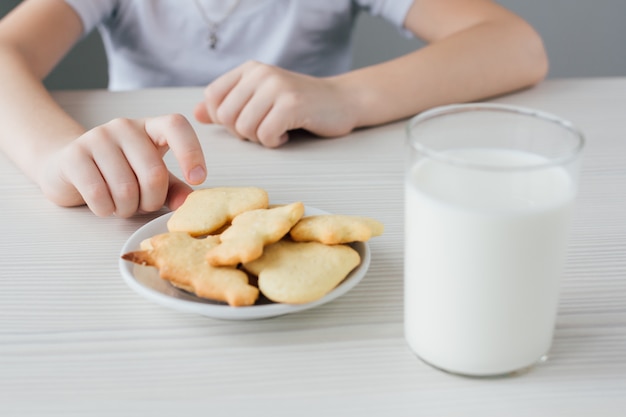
76, 340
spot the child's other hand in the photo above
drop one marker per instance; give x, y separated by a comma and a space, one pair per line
262, 103
118, 168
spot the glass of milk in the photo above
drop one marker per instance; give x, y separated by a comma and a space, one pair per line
489, 191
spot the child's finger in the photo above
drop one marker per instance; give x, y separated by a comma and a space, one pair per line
176, 132
148, 169
119, 177
217, 91
177, 192
273, 129
85, 176
201, 113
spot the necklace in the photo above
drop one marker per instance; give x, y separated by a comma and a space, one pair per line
214, 25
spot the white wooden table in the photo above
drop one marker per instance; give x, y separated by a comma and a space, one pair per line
75, 340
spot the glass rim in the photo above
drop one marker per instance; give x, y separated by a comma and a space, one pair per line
497, 107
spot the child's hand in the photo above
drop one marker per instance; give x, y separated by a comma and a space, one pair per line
262, 103
118, 168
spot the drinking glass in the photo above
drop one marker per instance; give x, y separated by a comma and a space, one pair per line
489, 191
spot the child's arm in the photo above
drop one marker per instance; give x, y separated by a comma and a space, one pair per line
476, 49
115, 168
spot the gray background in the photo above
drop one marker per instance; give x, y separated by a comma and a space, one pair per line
584, 38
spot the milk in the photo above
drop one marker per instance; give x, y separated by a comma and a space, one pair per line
484, 250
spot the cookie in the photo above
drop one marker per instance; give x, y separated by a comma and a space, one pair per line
333, 229
181, 259
301, 272
207, 210
251, 231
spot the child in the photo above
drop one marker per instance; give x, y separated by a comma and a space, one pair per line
269, 67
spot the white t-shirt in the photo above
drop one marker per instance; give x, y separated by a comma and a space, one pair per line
151, 43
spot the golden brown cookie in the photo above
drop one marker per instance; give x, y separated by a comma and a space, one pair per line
207, 210
333, 229
145, 244
301, 272
251, 231
181, 259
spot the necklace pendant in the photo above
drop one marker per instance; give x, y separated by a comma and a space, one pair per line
213, 40
214, 25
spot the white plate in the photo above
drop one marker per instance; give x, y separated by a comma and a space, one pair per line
146, 282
